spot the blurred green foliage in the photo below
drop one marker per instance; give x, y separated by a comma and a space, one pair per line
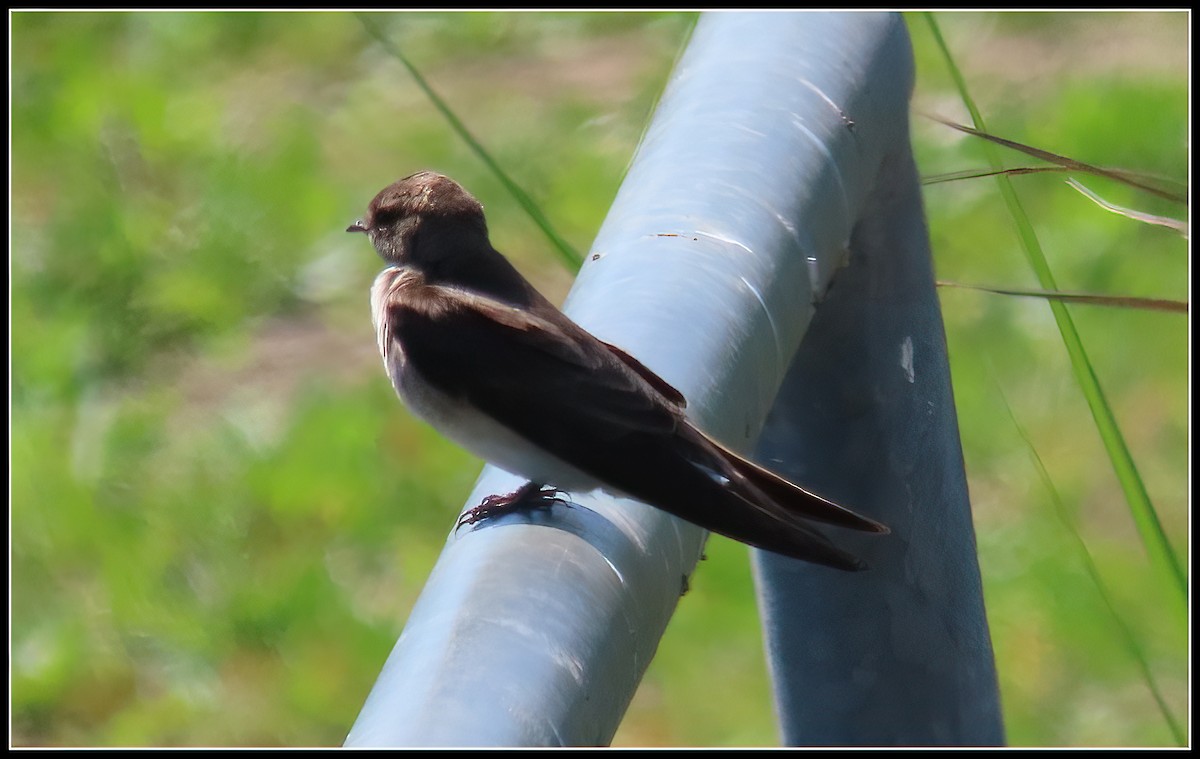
1106, 89
220, 512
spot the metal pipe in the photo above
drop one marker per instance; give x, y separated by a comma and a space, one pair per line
534, 629
900, 655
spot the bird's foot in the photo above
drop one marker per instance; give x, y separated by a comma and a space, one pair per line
531, 495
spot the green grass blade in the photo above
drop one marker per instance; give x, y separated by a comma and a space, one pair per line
568, 254
1162, 556
1127, 635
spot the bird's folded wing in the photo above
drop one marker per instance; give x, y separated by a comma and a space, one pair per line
545, 379
659, 384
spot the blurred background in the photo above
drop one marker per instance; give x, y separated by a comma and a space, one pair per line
221, 514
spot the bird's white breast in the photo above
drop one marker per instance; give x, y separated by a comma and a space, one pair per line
455, 418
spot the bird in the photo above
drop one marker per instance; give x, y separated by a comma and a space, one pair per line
474, 350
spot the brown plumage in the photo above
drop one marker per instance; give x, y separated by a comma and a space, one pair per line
475, 350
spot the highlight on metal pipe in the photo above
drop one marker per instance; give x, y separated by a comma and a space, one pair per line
773, 195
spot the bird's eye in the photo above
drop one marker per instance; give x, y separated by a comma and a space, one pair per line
384, 217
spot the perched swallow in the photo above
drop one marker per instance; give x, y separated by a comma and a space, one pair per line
474, 350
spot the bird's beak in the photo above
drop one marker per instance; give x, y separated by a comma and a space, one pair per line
357, 226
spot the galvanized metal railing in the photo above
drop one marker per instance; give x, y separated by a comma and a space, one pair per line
773, 195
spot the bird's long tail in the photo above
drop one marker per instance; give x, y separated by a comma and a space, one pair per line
794, 498
765, 510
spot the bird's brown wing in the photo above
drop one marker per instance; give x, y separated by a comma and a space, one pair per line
659, 384
530, 373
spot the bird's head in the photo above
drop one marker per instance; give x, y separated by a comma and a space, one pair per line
421, 219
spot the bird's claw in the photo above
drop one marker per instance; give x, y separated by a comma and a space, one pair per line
530, 495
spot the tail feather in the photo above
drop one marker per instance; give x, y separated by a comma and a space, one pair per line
795, 499
697, 479
754, 506
788, 536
